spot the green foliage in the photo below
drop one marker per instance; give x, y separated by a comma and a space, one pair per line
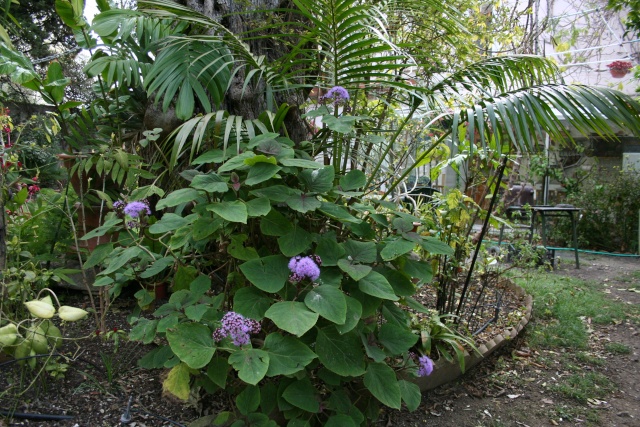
42, 225
437, 335
632, 8
319, 336
610, 203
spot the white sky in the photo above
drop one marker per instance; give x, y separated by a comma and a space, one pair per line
90, 9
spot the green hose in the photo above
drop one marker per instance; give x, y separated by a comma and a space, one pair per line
585, 251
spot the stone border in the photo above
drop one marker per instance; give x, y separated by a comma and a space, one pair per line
444, 372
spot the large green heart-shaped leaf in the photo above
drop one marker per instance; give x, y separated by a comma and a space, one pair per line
292, 316
236, 162
355, 271
251, 364
158, 266
381, 381
344, 124
329, 302
354, 314
204, 227
168, 222
396, 339
353, 180
192, 343
248, 400
341, 354
341, 420
395, 248
234, 211
287, 355
400, 282
303, 395
319, 180
122, 258
303, 203
238, 250
175, 198
210, 182
329, 250
275, 224
250, 302
295, 242
261, 172
98, 255
268, 274
258, 207
363, 252
418, 269
376, 284
436, 247
392, 313
410, 393
217, 371
338, 213
276, 193
302, 163
145, 329
156, 358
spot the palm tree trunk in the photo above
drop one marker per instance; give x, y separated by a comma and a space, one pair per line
251, 100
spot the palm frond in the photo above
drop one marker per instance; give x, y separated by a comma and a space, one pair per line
186, 67
165, 9
219, 130
519, 117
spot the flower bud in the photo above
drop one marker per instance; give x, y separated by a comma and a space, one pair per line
71, 314
40, 309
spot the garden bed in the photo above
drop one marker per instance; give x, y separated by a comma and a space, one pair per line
100, 377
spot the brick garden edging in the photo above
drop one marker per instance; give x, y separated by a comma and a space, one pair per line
444, 372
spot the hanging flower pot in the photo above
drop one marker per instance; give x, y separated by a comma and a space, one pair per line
617, 73
619, 69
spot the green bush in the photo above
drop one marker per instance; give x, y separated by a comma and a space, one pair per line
42, 226
325, 345
610, 203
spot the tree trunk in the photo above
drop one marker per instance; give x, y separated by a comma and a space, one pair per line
251, 101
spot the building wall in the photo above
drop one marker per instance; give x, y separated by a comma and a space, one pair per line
583, 37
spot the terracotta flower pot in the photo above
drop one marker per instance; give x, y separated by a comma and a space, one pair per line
618, 73
81, 182
89, 219
159, 290
88, 216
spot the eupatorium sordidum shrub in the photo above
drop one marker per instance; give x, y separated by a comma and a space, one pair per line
311, 323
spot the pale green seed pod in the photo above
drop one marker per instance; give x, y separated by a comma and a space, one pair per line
8, 335
71, 314
40, 309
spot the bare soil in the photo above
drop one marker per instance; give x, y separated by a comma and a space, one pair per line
514, 387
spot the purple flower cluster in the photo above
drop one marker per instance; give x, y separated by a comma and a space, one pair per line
304, 267
134, 209
237, 327
425, 366
337, 94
